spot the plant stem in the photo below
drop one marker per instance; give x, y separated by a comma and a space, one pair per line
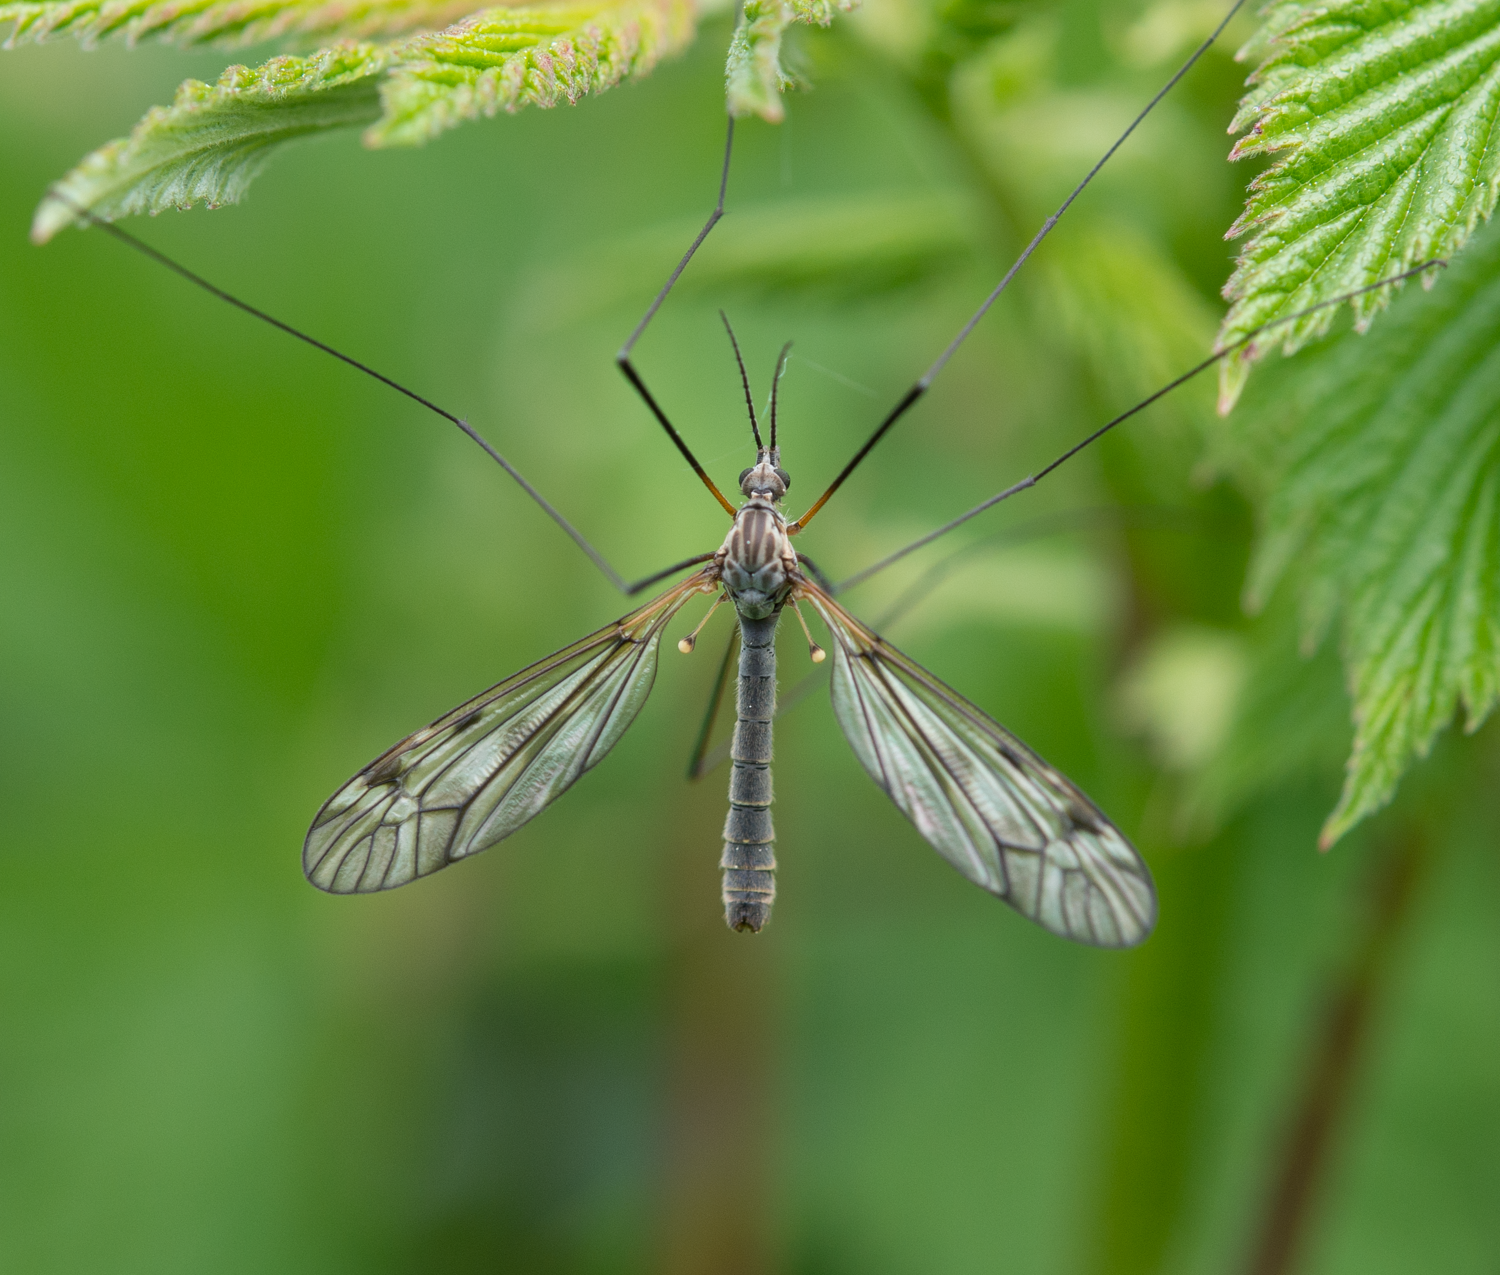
1298, 1175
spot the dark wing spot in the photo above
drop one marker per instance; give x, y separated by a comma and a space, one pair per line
464, 722
386, 770
1010, 754
1076, 817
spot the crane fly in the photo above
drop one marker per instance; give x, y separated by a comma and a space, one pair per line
987, 803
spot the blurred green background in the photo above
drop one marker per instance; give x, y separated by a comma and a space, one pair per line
232, 571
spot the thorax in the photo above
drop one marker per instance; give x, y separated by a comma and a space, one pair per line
757, 563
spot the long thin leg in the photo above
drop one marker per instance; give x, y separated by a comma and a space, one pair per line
622, 359
927, 377
700, 763
1032, 479
547, 507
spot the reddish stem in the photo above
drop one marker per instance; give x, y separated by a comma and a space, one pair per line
1343, 1033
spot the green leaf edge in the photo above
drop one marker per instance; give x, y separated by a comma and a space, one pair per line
754, 78
222, 23
1296, 42
214, 139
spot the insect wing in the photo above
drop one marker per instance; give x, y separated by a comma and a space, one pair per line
478, 773
989, 805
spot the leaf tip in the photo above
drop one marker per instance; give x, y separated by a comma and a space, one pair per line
1345, 815
1234, 371
51, 215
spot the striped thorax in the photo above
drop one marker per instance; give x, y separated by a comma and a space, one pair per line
757, 562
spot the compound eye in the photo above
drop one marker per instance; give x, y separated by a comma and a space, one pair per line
786, 479
745, 473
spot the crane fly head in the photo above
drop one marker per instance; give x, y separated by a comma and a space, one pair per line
766, 478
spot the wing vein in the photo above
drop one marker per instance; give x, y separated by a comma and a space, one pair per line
995, 810
485, 768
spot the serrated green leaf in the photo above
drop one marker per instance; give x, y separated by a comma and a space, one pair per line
214, 139
1382, 457
504, 59
222, 23
754, 77
1382, 116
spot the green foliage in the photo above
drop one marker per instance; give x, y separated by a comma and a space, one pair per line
1380, 460
1381, 118
214, 139
755, 79
212, 142
233, 570
221, 23
504, 59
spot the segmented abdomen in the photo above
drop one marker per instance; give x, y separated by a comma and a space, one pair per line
749, 860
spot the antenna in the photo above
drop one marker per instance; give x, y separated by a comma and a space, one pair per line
776, 381
749, 401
